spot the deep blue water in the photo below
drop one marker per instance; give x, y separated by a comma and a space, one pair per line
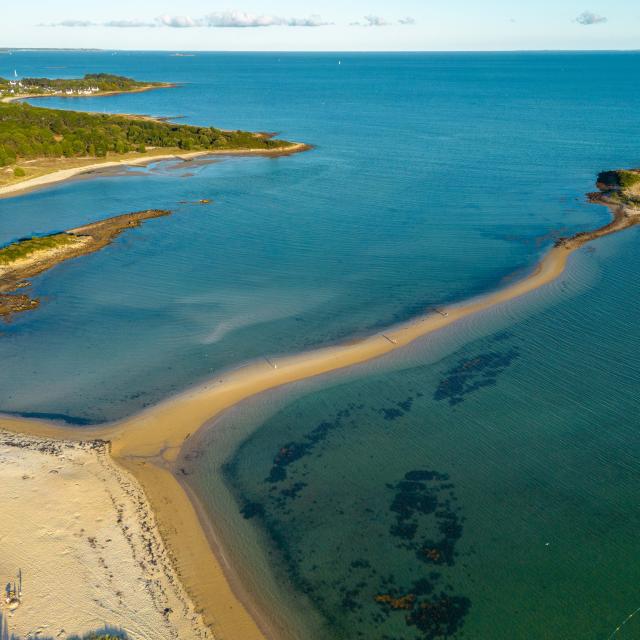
433, 177
488, 474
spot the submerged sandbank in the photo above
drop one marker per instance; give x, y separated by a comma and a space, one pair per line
149, 443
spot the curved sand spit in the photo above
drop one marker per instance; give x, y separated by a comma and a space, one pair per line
148, 444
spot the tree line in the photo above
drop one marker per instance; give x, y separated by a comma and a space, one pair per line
28, 132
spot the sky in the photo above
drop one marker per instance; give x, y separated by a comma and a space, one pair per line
322, 25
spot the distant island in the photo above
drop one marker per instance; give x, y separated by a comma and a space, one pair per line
31, 256
92, 84
37, 142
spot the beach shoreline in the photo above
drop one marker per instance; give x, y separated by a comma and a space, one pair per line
62, 175
97, 561
150, 443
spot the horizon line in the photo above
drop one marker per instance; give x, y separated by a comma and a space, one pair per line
6, 49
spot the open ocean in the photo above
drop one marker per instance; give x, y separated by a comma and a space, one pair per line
481, 484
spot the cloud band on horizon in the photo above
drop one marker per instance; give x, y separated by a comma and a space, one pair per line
220, 19
225, 19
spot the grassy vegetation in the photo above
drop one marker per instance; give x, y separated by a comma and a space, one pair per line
23, 248
621, 186
28, 132
91, 83
628, 179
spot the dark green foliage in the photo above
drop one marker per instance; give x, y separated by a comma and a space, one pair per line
28, 132
608, 180
620, 178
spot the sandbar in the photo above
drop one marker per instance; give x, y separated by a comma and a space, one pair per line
149, 443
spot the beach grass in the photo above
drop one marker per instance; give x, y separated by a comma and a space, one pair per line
24, 248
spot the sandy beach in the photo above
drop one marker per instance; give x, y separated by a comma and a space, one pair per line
83, 536
149, 443
62, 175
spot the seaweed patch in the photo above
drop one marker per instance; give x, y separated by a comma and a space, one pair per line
426, 523
397, 410
359, 593
294, 451
472, 374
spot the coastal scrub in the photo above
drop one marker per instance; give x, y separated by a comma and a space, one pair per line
28, 133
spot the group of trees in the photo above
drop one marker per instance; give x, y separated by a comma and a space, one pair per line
28, 132
100, 81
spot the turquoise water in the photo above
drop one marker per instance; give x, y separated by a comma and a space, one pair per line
484, 479
433, 177
494, 483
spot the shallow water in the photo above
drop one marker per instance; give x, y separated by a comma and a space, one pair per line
433, 177
497, 483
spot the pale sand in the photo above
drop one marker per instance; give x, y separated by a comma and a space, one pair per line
148, 444
83, 534
31, 184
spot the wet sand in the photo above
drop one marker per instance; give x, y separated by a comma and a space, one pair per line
148, 444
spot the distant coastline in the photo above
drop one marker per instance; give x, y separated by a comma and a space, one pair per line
97, 94
149, 444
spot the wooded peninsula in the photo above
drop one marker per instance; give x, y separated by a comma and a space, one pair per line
35, 140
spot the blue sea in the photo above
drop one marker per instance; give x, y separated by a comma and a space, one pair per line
480, 484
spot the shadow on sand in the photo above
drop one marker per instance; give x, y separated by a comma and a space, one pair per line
104, 633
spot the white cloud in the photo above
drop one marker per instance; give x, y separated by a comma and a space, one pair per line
221, 19
587, 18
241, 19
408, 20
127, 24
73, 23
178, 22
371, 21
311, 21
